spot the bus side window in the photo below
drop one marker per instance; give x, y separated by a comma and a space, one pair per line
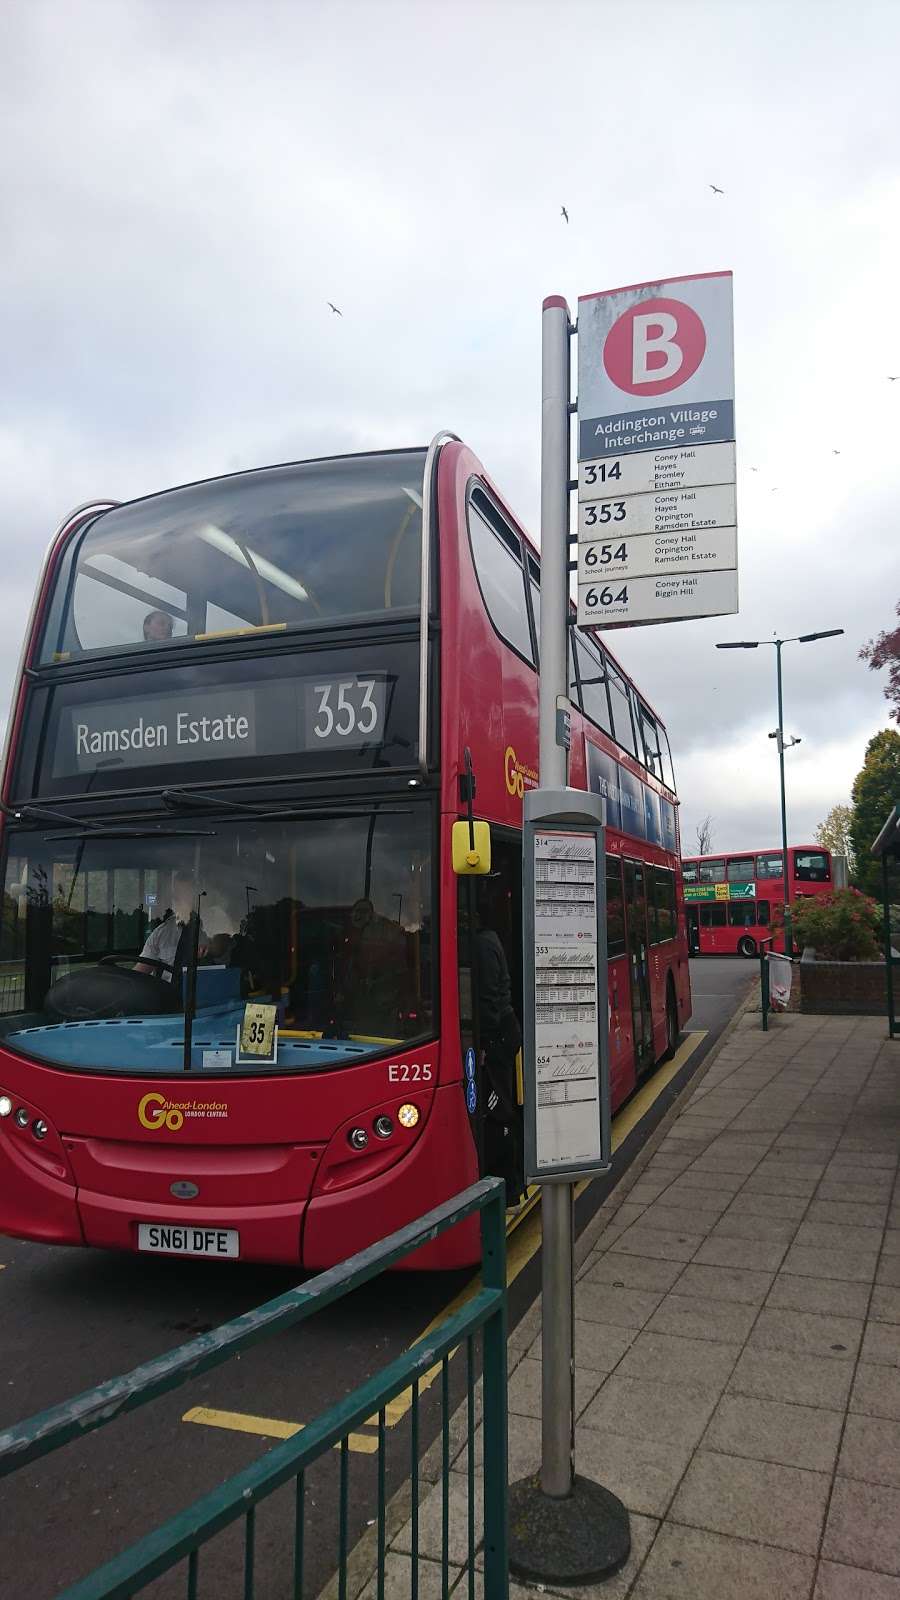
615, 908
762, 913
497, 555
714, 916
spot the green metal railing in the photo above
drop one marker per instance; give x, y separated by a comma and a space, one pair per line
183, 1537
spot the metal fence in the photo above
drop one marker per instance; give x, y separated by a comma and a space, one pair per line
183, 1537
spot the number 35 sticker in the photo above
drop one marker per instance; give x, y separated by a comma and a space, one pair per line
257, 1034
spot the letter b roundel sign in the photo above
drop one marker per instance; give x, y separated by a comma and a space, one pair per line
654, 346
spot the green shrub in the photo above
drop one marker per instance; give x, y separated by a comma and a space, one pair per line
846, 926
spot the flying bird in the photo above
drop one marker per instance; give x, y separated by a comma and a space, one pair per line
895, 378
335, 309
754, 469
715, 190
835, 452
564, 213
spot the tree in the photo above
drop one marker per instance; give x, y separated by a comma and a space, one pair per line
885, 652
704, 836
834, 833
876, 790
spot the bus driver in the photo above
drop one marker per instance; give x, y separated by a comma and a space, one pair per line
169, 944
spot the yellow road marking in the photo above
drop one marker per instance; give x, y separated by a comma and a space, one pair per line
524, 1243
267, 1427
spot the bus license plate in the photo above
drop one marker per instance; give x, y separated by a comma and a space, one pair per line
165, 1239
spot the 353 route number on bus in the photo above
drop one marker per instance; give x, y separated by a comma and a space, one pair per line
344, 711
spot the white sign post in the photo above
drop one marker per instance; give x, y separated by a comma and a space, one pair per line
657, 518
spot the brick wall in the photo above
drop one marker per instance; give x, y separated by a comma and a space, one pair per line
856, 988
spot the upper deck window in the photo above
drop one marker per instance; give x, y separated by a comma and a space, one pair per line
712, 871
306, 545
811, 866
497, 553
769, 866
689, 871
740, 869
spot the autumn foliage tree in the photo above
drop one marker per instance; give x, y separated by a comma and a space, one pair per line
885, 652
834, 833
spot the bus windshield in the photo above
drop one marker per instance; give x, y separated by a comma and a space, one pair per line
326, 918
283, 547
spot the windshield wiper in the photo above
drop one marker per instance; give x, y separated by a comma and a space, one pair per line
126, 832
183, 799
23, 813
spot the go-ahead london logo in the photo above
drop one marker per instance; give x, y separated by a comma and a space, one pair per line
156, 1111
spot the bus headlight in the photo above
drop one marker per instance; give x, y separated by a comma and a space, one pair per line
358, 1138
5, 1106
383, 1126
39, 1128
22, 1117
408, 1116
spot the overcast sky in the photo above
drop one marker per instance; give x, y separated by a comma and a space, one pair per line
183, 187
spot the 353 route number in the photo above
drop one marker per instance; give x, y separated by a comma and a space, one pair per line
605, 511
600, 555
606, 597
342, 711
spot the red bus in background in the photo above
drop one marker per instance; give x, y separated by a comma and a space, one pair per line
731, 901
237, 749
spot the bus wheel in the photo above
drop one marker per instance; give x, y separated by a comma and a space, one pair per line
671, 1021
746, 946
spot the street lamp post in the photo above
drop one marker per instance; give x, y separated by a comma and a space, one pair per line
754, 644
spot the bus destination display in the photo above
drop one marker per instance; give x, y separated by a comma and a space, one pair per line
657, 516
347, 711
567, 1111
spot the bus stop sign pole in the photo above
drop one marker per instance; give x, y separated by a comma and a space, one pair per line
563, 1528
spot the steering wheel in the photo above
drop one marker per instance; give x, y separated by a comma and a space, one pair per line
119, 963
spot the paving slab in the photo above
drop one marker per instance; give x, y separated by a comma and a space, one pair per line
770, 1430
666, 1358
837, 1582
871, 1450
825, 1295
798, 1379
783, 1506
863, 1528
806, 1333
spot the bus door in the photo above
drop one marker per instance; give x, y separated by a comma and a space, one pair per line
638, 963
495, 902
692, 920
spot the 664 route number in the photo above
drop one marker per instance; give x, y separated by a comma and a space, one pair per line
606, 596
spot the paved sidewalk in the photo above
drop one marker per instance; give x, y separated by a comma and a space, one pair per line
738, 1335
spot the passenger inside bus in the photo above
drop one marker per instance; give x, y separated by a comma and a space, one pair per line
158, 625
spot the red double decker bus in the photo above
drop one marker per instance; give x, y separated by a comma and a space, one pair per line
731, 901
238, 1001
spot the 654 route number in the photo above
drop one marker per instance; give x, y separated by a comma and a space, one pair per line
600, 555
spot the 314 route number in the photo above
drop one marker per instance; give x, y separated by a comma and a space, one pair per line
602, 471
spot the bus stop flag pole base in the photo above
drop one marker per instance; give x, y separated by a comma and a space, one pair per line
581, 1538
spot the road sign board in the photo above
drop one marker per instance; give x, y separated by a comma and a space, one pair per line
675, 597
655, 366
712, 506
656, 469
651, 554
656, 475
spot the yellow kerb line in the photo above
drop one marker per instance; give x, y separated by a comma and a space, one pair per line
267, 1427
